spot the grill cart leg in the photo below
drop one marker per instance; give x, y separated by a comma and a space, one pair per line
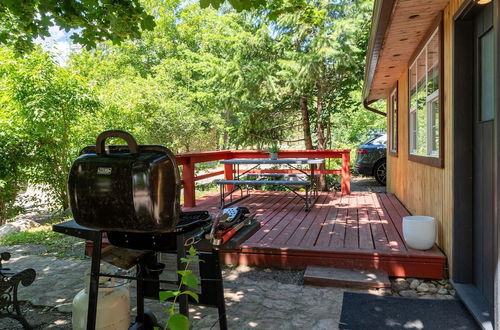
220, 292
94, 282
212, 286
140, 293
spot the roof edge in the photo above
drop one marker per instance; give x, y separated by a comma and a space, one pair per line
382, 10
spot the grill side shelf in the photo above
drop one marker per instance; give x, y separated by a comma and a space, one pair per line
71, 228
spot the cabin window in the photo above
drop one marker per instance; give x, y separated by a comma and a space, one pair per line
393, 121
425, 107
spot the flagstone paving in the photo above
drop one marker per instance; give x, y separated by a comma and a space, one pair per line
255, 298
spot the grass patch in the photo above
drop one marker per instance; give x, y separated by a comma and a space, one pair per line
55, 244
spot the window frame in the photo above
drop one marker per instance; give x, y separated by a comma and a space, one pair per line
393, 112
438, 160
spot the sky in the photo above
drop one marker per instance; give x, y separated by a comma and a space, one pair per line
59, 44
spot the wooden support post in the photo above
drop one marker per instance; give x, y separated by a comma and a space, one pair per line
228, 175
346, 173
189, 184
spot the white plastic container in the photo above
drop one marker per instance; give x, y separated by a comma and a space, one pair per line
113, 306
419, 231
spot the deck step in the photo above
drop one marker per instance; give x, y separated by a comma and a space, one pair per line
346, 278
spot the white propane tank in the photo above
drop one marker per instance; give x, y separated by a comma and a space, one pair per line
113, 306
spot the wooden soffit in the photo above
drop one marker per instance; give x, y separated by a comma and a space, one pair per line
387, 57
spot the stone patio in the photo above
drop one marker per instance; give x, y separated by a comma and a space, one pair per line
255, 298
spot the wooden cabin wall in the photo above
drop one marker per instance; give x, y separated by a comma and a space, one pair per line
423, 189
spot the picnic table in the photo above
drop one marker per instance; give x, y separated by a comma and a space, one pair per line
295, 180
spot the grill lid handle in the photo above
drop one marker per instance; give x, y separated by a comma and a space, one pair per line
101, 139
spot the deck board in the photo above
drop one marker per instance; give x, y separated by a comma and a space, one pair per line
380, 240
311, 237
358, 231
305, 224
365, 233
329, 223
281, 221
351, 240
337, 236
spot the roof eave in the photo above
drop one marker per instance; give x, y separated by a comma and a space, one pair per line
382, 11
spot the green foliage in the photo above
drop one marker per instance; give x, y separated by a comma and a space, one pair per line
200, 79
95, 21
177, 321
46, 103
274, 8
12, 156
274, 148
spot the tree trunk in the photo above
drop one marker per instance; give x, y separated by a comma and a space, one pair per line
305, 123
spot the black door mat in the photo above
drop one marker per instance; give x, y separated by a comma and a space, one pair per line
362, 311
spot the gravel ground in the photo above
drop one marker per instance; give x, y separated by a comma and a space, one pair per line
365, 183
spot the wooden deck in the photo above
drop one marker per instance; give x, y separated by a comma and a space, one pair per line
358, 231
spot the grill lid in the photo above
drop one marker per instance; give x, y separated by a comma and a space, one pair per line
132, 188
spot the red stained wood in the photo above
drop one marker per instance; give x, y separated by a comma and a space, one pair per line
289, 171
365, 233
337, 237
208, 175
393, 237
327, 227
271, 217
351, 240
346, 173
312, 234
357, 231
189, 186
379, 235
189, 160
305, 225
228, 175
281, 220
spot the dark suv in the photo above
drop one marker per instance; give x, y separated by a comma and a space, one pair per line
371, 158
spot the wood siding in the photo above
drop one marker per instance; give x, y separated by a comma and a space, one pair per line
423, 189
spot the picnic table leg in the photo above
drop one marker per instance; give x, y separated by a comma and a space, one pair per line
222, 195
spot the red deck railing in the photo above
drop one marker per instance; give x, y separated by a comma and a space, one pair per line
189, 160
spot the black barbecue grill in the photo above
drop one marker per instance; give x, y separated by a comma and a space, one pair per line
131, 193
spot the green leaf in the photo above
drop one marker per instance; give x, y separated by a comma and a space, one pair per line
178, 322
204, 3
192, 251
148, 23
184, 272
192, 294
164, 295
191, 281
